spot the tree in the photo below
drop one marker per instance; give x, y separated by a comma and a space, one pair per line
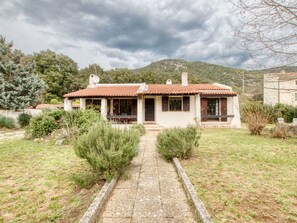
19, 87
268, 29
58, 71
119, 75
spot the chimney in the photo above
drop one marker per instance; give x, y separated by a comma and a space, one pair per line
169, 81
93, 80
184, 79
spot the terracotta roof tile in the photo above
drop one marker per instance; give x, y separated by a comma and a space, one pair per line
105, 91
171, 89
152, 89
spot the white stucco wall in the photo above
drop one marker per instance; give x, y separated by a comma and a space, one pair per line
235, 122
174, 118
286, 94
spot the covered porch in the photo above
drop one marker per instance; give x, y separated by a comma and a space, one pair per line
117, 110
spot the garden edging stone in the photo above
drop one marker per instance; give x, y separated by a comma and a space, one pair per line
97, 204
191, 193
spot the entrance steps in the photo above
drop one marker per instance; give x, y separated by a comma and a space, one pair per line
215, 125
153, 127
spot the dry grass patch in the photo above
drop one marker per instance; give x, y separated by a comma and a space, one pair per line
36, 183
245, 178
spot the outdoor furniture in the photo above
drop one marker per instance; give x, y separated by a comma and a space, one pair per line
123, 118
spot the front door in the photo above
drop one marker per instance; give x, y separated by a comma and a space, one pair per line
149, 109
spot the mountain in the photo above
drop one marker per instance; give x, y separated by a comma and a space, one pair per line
202, 72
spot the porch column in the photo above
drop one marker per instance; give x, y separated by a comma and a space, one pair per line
82, 103
139, 110
67, 104
104, 108
111, 106
198, 109
236, 119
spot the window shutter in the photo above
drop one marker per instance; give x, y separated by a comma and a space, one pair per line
186, 103
164, 103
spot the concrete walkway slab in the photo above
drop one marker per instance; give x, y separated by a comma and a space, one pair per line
149, 192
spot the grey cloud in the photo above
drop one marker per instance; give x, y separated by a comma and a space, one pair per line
120, 24
132, 31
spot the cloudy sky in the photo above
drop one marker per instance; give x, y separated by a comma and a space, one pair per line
124, 33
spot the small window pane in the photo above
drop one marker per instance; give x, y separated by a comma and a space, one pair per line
175, 104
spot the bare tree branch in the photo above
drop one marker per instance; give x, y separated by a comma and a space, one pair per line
267, 28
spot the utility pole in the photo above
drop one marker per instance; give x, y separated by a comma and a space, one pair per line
243, 82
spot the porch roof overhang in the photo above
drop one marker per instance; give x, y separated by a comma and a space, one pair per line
104, 91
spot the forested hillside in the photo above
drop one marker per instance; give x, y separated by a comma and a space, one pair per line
201, 72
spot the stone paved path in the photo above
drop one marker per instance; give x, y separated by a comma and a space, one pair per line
7, 135
151, 191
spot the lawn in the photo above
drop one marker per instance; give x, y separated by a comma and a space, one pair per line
36, 183
245, 178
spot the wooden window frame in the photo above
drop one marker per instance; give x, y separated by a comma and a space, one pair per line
185, 103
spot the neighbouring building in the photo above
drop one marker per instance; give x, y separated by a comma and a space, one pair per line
167, 105
280, 88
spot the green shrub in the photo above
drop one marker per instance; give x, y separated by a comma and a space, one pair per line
80, 121
45, 123
85, 180
107, 150
139, 127
6, 122
178, 142
55, 101
24, 119
267, 111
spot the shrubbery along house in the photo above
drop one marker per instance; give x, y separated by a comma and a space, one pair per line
167, 105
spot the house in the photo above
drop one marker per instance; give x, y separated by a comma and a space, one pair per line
280, 88
167, 105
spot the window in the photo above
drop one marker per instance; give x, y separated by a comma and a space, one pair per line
125, 106
93, 104
295, 96
175, 104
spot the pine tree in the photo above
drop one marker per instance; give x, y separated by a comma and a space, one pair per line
19, 87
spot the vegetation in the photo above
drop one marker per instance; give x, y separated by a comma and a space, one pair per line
58, 71
24, 119
75, 123
245, 178
283, 131
19, 87
140, 128
271, 113
6, 122
107, 150
201, 72
79, 122
37, 183
45, 123
178, 142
